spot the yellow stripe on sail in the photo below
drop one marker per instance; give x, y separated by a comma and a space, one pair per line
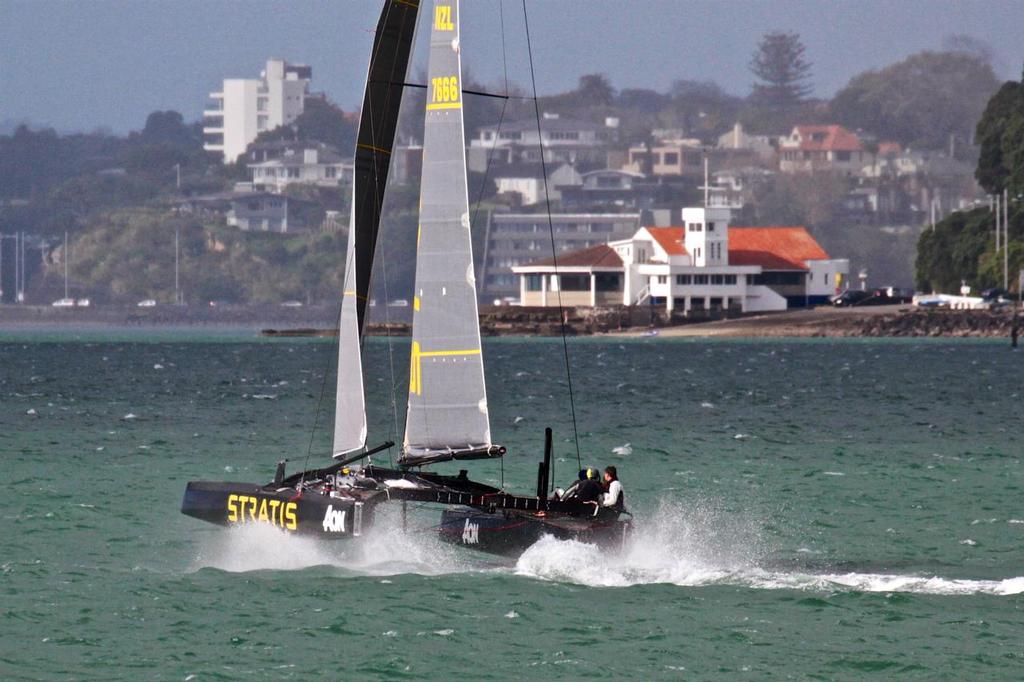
444, 105
416, 363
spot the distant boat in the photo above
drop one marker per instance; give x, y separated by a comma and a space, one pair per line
447, 417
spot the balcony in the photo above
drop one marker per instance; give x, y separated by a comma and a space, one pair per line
213, 113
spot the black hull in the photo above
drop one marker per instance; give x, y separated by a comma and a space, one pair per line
510, 533
308, 514
475, 516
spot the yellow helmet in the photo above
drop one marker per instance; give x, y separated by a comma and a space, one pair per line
593, 473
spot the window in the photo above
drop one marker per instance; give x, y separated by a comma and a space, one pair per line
778, 278
575, 282
262, 122
261, 104
293, 172
718, 279
683, 280
659, 279
671, 158
730, 279
510, 136
608, 182
700, 279
711, 227
331, 172
534, 282
607, 281
695, 227
842, 156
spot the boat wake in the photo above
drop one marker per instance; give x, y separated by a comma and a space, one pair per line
703, 548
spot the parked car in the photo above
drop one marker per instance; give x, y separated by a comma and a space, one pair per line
83, 303
850, 297
147, 303
292, 304
64, 303
398, 303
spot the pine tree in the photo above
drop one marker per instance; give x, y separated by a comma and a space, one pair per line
779, 63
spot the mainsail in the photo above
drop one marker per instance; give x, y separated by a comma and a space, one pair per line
447, 416
382, 99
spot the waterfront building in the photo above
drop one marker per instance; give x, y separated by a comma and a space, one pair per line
245, 107
513, 239
702, 265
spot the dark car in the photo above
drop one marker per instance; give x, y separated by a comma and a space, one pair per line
850, 297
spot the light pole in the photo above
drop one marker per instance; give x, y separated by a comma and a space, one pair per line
177, 288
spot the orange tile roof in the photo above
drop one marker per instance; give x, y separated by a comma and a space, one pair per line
672, 239
602, 256
885, 148
773, 248
836, 139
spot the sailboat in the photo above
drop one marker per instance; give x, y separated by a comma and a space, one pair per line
447, 417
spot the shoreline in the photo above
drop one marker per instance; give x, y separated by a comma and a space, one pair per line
899, 321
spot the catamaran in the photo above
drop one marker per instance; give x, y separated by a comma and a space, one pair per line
447, 417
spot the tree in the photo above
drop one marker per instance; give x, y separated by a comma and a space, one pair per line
784, 73
920, 101
998, 134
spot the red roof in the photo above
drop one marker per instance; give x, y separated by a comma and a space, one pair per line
670, 239
831, 138
886, 148
602, 256
773, 248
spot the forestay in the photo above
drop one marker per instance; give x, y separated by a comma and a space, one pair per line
382, 100
447, 416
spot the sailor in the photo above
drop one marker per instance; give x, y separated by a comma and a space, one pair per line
613, 496
585, 489
590, 489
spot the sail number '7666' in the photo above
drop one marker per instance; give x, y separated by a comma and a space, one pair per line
470, 533
445, 89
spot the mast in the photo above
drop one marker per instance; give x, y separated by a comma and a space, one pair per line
382, 99
447, 416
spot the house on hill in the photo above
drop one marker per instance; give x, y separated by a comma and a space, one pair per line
822, 148
702, 265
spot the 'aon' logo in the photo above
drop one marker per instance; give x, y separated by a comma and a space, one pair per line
471, 533
334, 520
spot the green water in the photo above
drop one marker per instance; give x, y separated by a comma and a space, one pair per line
822, 510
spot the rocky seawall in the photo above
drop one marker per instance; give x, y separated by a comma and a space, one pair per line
926, 323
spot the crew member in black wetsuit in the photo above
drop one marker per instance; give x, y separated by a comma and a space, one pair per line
586, 489
590, 489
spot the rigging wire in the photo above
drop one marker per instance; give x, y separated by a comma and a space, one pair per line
551, 230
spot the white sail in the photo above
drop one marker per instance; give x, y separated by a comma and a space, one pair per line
350, 402
447, 416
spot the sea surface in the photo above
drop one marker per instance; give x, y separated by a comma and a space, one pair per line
813, 509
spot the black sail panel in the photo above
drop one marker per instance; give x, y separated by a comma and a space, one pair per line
389, 64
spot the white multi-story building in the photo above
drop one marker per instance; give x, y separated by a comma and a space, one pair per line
702, 265
245, 107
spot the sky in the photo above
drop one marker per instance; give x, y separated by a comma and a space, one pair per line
80, 66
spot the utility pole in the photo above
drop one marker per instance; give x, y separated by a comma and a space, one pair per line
1, 268
707, 187
1006, 239
177, 288
66, 263
17, 267
177, 168
997, 225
